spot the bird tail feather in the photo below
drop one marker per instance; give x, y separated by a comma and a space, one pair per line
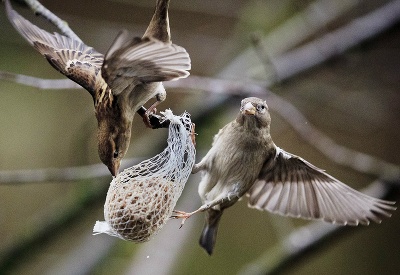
159, 24
209, 235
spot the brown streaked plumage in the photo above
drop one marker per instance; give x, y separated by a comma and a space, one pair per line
120, 82
244, 160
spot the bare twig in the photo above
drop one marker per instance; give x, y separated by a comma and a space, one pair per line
41, 83
193, 82
41, 10
59, 174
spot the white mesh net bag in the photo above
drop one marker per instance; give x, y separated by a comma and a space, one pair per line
141, 199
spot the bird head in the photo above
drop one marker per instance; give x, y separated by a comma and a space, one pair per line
113, 142
254, 110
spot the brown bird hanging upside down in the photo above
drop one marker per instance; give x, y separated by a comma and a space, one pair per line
244, 160
121, 81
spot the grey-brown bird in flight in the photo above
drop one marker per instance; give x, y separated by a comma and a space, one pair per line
244, 160
120, 82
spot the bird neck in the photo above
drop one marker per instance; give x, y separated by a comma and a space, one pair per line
251, 123
103, 97
256, 132
159, 24
113, 124
106, 106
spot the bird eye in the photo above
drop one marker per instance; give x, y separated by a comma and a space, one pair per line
261, 108
115, 154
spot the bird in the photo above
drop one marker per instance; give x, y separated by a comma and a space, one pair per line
244, 160
121, 81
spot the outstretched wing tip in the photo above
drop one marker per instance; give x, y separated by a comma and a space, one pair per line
60, 51
291, 186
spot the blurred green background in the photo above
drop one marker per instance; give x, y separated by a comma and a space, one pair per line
354, 98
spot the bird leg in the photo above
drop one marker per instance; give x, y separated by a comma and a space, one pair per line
198, 167
184, 215
156, 121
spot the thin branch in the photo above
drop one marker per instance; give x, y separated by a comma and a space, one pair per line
264, 56
40, 83
62, 25
192, 82
60, 174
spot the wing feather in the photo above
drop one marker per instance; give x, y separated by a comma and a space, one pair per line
295, 187
132, 61
72, 58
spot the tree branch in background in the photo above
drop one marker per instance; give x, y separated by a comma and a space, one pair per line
77, 173
40, 83
62, 25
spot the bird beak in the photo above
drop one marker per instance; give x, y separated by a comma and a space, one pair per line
249, 109
114, 168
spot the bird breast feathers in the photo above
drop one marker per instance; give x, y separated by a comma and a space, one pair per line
229, 162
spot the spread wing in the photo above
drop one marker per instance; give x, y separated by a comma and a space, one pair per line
289, 185
131, 61
72, 58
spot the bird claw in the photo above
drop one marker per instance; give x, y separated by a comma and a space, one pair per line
146, 117
146, 121
181, 215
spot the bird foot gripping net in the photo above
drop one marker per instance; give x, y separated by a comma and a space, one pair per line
140, 200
